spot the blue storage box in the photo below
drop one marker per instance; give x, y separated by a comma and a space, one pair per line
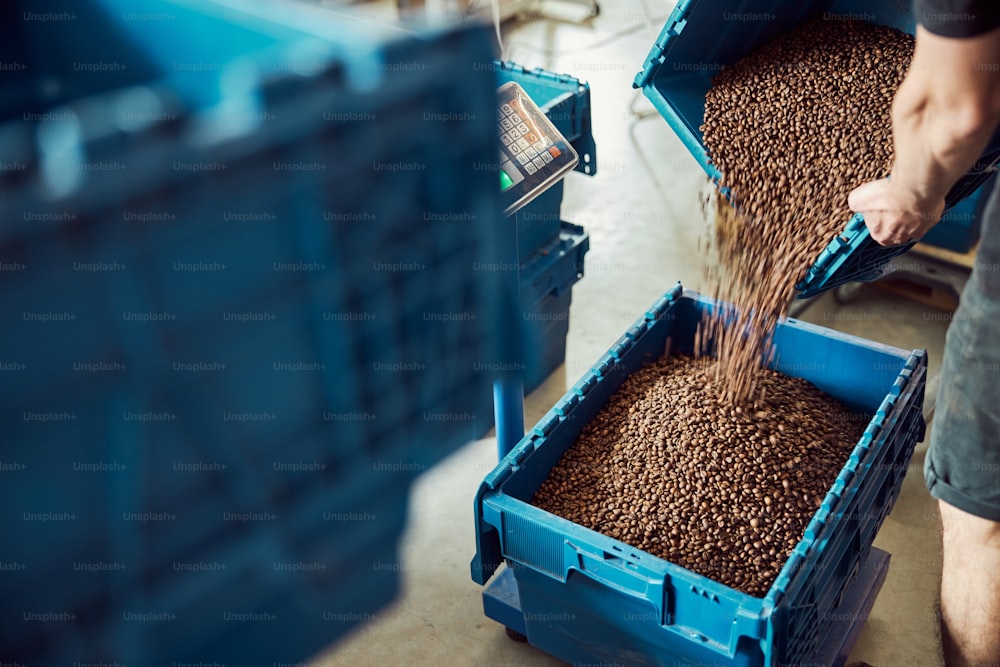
702, 36
539, 220
588, 598
238, 316
547, 329
547, 279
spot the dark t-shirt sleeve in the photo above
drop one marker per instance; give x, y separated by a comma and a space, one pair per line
957, 18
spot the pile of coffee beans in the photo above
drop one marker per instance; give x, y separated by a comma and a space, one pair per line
671, 468
792, 128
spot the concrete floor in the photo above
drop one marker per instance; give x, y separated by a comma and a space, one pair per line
643, 216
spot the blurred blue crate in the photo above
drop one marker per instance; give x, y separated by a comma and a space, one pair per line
239, 315
556, 266
697, 40
589, 598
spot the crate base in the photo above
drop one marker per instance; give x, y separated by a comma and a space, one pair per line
502, 603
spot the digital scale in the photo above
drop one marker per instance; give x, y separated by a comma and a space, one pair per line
533, 153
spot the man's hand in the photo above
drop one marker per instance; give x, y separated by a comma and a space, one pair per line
893, 217
942, 117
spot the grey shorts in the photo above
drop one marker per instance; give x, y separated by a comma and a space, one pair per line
962, 467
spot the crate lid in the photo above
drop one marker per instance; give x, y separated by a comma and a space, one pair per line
701, 38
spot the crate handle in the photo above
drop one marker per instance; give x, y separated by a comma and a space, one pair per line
621, 573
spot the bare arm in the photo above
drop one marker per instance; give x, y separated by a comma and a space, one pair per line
942, 117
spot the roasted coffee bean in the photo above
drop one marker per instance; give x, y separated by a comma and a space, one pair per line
690, 489
792, 128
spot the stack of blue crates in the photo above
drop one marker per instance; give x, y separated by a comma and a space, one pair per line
237, 318
551, 251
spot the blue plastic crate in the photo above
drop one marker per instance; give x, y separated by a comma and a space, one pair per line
547, 281
547, 329
698, 39
958, 229
555, 267
538, 222
238, 316
589, 598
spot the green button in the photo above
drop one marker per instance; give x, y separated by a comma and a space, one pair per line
505, 180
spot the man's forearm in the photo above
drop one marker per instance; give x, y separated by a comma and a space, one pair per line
940, 130
943, 115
